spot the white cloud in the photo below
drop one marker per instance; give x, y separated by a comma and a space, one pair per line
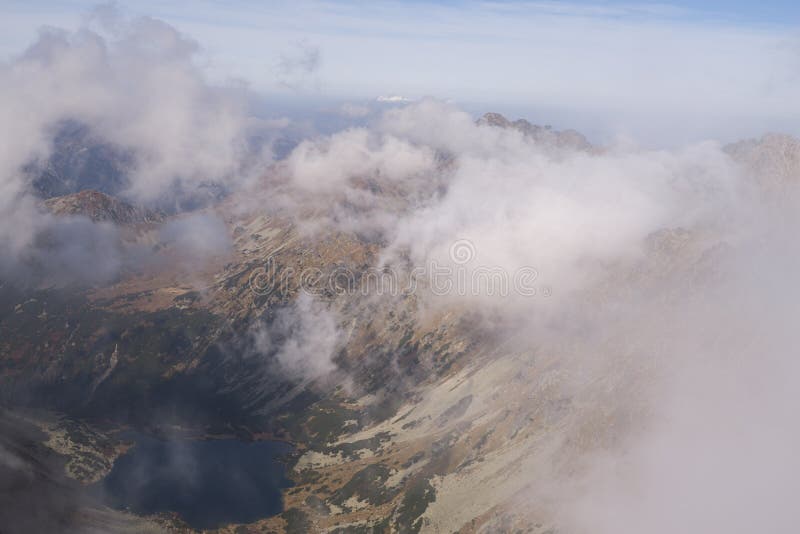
640, 69
713, 448
678, 361
135, 84
563, 211
302, 338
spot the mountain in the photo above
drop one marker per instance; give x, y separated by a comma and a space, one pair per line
101, 207
80, 161
545, 135
423, 419
773, 160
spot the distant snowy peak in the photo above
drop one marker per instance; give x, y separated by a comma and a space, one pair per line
393, 99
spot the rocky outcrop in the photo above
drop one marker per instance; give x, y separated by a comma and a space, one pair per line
773, 161
545, 135
101, 207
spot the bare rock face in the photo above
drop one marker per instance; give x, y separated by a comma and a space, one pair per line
540, 134
773, 161
442, 425
495, 119
101, 207
41, 479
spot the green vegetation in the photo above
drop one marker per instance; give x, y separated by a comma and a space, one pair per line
297, 521
418, 496
350, 450
367, 485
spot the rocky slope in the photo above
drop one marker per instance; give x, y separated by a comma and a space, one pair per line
428, 421
98, 206
545, 135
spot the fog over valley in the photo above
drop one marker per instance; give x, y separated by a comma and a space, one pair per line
256, 290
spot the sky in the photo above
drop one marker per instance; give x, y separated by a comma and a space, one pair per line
613, 69
681, 262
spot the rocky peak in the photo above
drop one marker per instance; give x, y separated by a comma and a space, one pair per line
541, 134
773, 160
100, 207
494, 119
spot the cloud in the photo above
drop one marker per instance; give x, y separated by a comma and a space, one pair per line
714, 450
302, 338
13, 462
195, 236
298, 65
670, 318
672, 271
328, 164
134, 85
137, 88
732, 66
441, 177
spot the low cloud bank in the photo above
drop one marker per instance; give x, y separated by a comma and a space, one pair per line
671, 271
427, 175
135, 87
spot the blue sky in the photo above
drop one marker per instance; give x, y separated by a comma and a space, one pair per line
643, 68
746, 11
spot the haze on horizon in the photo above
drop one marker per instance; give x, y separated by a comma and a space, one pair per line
663, 74
158, 161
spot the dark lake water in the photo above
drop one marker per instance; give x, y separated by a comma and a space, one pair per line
209, 483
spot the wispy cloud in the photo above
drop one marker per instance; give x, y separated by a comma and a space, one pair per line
640, 68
